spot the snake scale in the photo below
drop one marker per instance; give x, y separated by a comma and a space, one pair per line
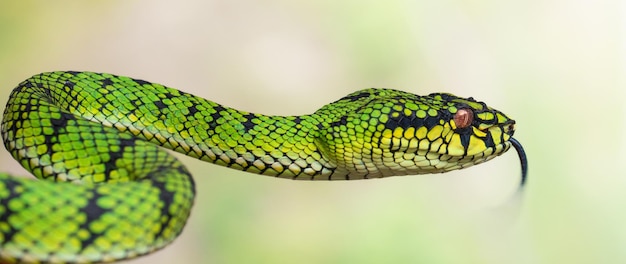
78, 130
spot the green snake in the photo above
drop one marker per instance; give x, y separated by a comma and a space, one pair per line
89, 129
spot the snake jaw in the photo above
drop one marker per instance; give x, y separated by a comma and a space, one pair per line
507, 129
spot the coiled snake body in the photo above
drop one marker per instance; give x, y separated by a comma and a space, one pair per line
90, 129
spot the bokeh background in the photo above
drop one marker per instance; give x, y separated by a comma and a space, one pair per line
556, 66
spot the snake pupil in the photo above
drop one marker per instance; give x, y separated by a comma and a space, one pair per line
463, 118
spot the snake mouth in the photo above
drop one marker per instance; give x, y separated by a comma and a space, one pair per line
506, 130
509, 129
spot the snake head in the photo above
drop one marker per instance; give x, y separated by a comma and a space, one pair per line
475, 126
484, 132
387, 132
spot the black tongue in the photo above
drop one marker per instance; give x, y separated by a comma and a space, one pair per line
522, 158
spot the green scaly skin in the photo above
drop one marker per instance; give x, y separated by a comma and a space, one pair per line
90, 128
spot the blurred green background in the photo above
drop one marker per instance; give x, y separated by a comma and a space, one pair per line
555, 66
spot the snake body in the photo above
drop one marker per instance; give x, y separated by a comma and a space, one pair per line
89, 129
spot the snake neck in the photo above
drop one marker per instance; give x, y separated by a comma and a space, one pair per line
281, 146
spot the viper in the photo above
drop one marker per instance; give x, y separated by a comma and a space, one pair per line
109, 191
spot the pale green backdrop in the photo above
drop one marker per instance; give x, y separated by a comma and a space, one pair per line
556, 66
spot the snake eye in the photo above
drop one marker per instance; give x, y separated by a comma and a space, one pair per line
463, 118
